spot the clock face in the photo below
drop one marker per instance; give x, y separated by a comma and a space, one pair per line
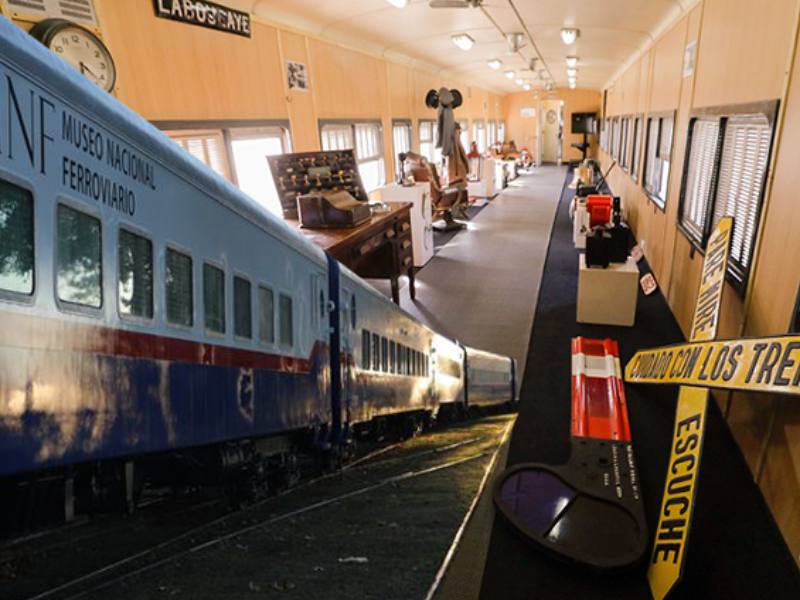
81, 49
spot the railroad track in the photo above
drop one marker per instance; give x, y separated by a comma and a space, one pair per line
371, 472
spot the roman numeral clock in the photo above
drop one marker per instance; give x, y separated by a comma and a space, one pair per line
80, 48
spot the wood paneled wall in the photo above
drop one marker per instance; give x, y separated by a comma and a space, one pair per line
745, 53
169, 71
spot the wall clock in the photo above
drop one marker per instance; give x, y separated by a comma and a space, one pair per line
80, 48
551, 116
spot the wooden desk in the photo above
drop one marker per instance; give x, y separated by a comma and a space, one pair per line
381, 248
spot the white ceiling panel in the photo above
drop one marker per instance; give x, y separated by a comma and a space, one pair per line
612, 32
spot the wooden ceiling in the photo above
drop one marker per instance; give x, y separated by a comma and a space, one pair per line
612, 32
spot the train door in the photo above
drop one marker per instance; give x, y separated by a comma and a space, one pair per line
349, 321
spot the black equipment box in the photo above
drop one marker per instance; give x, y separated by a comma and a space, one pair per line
320, 210
301, 173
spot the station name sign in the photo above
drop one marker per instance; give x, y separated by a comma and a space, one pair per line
204, 14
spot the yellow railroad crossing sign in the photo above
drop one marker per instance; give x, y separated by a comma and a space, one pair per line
677, 506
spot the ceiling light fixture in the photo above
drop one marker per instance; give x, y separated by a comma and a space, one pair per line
515, 41
572, 72
510, 74
572, 85
463, 41
519, 81
569, 36
494, 63
398, 3
527, 87
572, 62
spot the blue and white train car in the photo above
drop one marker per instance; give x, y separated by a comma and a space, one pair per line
149, 308
146, 304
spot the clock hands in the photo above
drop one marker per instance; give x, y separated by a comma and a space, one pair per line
85, 69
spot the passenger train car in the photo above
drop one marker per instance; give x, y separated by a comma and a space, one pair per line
148, 308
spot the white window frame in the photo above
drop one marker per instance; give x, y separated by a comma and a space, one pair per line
365, 150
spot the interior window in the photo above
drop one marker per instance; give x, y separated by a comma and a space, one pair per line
266, 320
135, 275
393, 357
479, 135
657, 159
80, 276
242, 308
637, 148
206, 146
250, 148
384, 355
214, 298
16, 239
427, 146
365, 139
286, 320
401, 136
699, 176
179, 289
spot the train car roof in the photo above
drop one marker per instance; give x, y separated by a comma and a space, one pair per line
33, 61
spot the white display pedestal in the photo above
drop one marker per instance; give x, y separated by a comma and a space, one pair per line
608, 296
421, 215
485, 186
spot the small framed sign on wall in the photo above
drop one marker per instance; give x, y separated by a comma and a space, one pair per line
297, 76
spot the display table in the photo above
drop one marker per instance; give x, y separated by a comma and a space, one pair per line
381, 248
608, 296
484, 187
421, 215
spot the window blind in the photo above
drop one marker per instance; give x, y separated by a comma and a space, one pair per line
650, 176
207, 147
337, 137
742, 170
699, 177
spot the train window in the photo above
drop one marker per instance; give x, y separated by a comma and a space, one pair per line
366, 352
384, 355
214, 298
704, 140
637, 148
242, 308
401, 135
412, 362
286, 320
266, 317
402, 363
376, 352
393, 357
179, 289
80, 265
657, 157
135, 275
16, 239
728, 154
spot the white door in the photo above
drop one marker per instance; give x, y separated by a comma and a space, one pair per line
551, 130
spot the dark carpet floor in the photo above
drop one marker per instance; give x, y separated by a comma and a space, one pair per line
735, 551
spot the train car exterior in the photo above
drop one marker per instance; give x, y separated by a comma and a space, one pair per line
149, 306
133, 322
491, 379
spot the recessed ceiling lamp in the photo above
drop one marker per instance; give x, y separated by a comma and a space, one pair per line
494, 63
519, 81
510, 74
527, 87
572, 85
569, 36
463, 41
572, 62
572, 72
398, 3
572, 80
